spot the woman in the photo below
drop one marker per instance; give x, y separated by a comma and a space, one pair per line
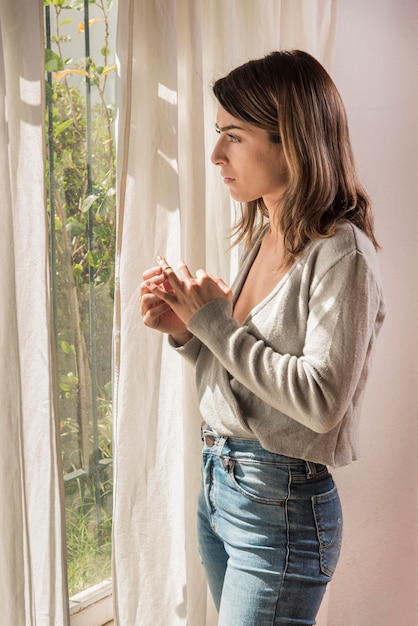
282, 358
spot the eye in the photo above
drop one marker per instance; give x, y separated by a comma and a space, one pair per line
233, 138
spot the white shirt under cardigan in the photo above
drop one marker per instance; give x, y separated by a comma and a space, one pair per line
293, 374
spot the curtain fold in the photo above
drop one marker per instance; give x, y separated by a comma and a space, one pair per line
32, 565
171, 201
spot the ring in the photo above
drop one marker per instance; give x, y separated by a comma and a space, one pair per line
167, 267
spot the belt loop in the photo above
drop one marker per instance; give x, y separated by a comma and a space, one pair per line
310, 469
221, 444
203, 427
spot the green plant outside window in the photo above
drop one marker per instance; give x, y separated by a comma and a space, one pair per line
79, 67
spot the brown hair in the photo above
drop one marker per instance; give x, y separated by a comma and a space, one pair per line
291, 96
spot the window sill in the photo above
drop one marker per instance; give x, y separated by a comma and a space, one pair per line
94, 606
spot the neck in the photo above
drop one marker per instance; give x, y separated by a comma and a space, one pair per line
273, 241
274, 226
273, 208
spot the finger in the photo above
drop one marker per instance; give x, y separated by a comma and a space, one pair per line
163, 263
151, 272
149, 301
156, 310
160, 279
161, 260
184, 271
222, 285
152, 316
161, 294
169, 274
201, 274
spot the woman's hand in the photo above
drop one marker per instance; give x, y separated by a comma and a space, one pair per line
156, 313
183, 295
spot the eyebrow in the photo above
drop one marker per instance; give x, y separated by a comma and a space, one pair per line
229, 127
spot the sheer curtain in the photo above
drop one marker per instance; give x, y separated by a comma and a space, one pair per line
171, 201
32, 567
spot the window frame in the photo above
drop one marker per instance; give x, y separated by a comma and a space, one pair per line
93, 606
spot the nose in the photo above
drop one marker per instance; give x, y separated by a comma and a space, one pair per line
218, 154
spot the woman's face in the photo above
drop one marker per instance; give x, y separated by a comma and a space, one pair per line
251, 165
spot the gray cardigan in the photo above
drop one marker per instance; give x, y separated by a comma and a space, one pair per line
293, 374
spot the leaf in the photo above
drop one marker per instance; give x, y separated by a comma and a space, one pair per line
88, 202
78, 5
93, 20
67, 348
53, 62
63, 73
101, 210
75, 229
58, 224
92, 259
63, 126
67, 21
77, 270
108, 69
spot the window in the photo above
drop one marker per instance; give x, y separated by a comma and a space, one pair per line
79, 68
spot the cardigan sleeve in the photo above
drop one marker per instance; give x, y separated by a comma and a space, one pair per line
316, 386
190, 350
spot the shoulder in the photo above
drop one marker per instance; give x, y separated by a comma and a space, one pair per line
347, 240
348, 250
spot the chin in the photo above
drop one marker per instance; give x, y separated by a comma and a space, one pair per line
241, 199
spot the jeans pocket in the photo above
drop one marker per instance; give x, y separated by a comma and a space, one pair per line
329, 525
265, 483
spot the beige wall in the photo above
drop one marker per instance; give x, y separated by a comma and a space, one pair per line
376, 71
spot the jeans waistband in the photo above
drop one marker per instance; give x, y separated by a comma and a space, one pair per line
251, 449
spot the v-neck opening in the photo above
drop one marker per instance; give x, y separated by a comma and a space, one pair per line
244, 275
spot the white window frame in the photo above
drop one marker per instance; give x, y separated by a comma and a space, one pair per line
93, 606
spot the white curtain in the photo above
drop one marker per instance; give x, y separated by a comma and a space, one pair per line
32, 568
171, 202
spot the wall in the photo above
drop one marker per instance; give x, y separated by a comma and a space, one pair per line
375, 69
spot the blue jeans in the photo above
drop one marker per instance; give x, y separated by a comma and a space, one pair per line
269, 529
